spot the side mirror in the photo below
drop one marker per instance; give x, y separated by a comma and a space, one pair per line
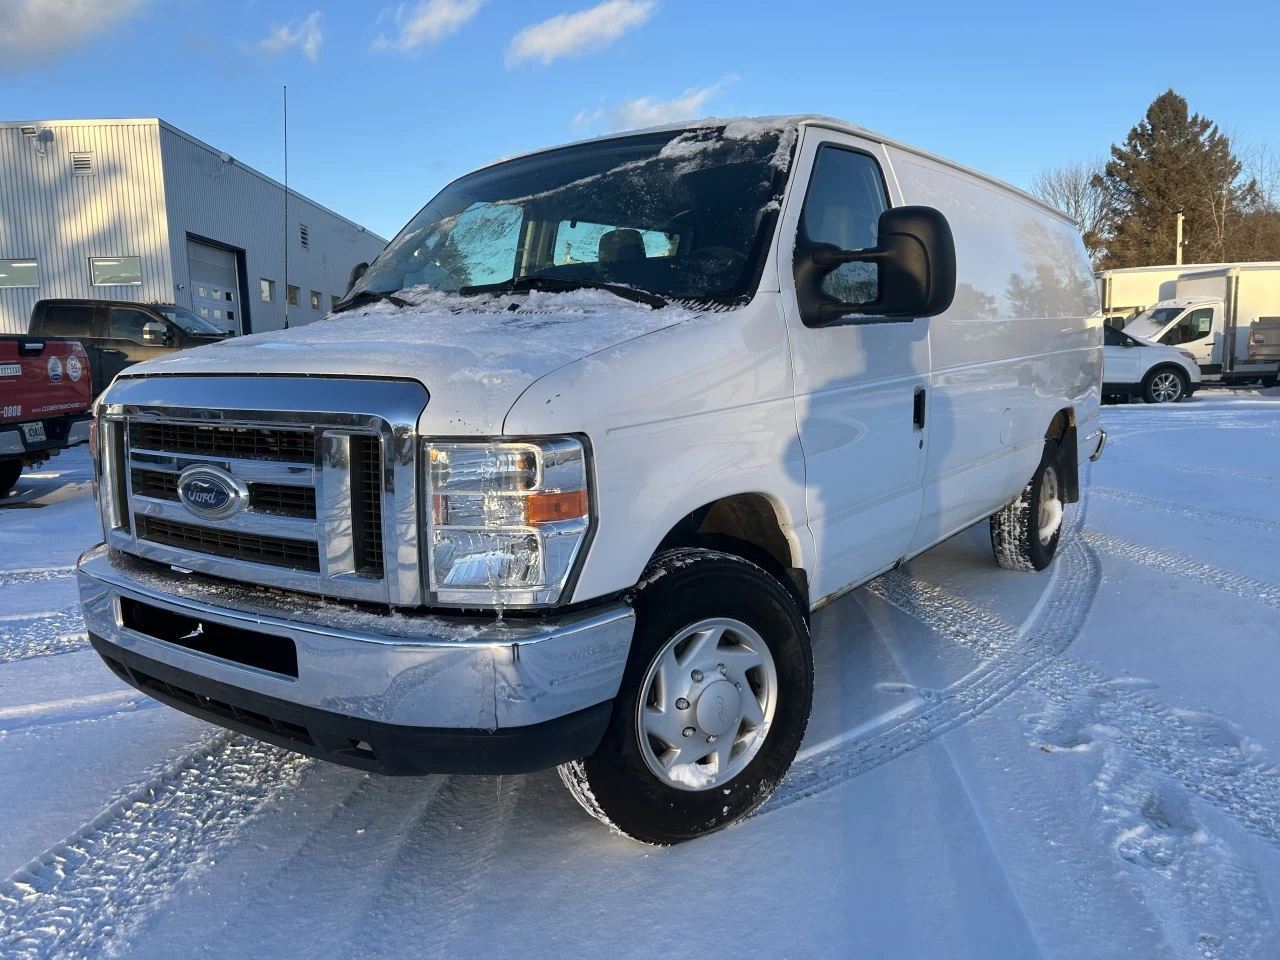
154, 332
358, 271
915, 264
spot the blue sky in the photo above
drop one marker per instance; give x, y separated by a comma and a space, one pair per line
387, 103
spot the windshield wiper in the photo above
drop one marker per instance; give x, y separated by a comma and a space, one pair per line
369, 296
538, 281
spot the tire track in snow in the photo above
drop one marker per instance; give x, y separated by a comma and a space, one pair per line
1197, 470
449, 850
10, 578
42, 635
1200, 752
1144, 502
1011, 659
94, 888
1233, 583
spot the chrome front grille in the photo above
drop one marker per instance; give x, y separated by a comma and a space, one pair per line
325, 500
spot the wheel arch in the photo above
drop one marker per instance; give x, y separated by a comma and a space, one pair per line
1062, 430
747, 525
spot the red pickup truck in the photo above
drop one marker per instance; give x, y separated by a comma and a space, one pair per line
45, 399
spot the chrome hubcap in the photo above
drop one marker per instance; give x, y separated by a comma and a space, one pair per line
706, 704
1050, 518
1166, 387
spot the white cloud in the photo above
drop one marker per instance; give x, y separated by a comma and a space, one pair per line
427, 23
572, 34
35, 30
305, 33
648, 112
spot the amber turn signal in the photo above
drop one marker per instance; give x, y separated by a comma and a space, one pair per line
548, 507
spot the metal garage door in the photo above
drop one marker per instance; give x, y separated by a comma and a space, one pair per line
215, 286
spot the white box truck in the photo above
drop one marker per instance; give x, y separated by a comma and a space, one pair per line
1211, 315
1125, 292
561, 479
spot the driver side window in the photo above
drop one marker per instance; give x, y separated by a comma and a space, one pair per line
842, 210
1196, 325
127, 324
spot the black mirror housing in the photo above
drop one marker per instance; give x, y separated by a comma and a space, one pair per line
916, 264
358, 271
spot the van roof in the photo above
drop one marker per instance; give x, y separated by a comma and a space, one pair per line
782, 122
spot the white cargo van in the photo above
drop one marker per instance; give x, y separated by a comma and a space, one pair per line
564, 475
1211, 316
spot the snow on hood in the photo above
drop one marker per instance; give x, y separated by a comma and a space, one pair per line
475, 355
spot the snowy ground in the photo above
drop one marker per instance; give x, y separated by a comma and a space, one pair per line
1072, 764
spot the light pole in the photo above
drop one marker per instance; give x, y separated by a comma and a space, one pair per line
1177, 250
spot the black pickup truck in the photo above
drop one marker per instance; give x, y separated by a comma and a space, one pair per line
116, 334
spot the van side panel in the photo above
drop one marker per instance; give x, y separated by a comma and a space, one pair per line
1021, 341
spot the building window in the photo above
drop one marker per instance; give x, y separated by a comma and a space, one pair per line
116, 271
267, 289
19, 273
291, 294
315, 299
304, 236
333, 301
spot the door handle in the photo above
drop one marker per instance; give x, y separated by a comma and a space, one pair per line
917, 409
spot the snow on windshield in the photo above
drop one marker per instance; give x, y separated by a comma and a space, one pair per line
684, 214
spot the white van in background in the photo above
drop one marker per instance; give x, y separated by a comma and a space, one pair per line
562, 478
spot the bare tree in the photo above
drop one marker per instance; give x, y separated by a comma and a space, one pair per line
1073, 189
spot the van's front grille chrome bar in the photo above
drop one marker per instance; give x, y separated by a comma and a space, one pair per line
308, 501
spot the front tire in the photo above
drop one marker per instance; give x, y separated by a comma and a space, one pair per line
10, 470
713, 704
1025, 534
1164, 385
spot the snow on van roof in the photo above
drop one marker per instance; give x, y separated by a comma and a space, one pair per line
788, 125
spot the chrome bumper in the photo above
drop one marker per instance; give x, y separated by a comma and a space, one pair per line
428, 671
79, 433
1102, 443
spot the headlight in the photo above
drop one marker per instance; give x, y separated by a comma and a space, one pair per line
507, 519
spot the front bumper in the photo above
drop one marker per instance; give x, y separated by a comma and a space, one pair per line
392, 693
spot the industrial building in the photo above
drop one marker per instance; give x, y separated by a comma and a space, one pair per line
139, 210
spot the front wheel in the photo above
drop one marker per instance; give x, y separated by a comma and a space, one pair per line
713, 704
10, 470
1164, 385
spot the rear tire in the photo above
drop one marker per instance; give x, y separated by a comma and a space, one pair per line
1164, 385
10, 470
1025, 534
705, 723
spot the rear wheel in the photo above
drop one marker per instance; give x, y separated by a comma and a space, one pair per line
10, 470
713, 704
1025, 534
1164, 385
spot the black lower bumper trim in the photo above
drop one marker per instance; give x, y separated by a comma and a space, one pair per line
365, 744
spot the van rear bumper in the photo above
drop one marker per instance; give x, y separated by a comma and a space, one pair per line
390, 693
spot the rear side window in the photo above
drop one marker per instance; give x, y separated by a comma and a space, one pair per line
67, 320
842, 211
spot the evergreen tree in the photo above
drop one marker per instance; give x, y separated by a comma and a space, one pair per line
1172, 161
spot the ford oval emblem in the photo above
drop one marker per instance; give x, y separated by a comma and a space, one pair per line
211, 493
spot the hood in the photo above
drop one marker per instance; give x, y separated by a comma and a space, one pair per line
475, 355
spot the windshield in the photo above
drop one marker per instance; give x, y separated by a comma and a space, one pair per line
681, 214
188, 321
1148, 324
